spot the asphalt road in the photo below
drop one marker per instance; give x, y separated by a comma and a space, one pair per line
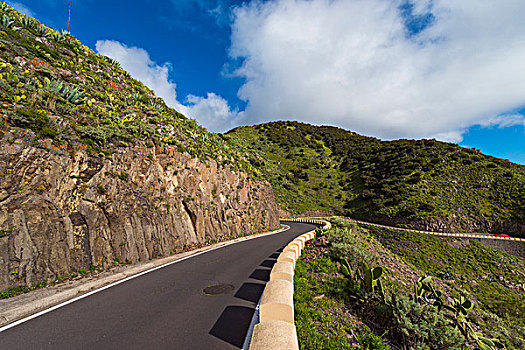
167, 308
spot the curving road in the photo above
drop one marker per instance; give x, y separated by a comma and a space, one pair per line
445, 234
167, 308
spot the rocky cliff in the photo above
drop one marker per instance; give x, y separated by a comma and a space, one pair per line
96, 170
62, 209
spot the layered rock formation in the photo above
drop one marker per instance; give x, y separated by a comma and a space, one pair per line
62, 209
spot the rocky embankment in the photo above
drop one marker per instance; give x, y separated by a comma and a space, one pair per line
62, 209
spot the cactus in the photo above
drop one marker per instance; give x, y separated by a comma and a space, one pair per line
487, 343
368, 278
424, 291
460, 306
346, 269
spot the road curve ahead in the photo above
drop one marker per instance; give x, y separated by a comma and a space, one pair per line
167, 308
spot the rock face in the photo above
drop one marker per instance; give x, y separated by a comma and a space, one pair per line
62, 209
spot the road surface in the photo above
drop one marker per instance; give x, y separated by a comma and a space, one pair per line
167, 308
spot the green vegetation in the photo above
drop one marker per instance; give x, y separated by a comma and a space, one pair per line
7, 232
11, 292
493, 278
64, 92
404, 181
429, 292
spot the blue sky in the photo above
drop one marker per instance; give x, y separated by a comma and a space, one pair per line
386, 68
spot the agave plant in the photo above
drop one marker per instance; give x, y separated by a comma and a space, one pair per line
71, 93
8, 22
55, 85
74, 95
59, 38
28, 22
158, 107
41, 30
110, 61
4, 7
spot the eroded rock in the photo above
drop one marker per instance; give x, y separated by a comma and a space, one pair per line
69, 210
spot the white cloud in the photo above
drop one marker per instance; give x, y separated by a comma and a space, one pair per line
455, 136
352, 64
504, 121
21, 8
211, 111
139, 64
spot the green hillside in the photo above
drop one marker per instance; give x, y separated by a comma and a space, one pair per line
67, 94
412, 302
424, 183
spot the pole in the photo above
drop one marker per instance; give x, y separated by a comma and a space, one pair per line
69, 17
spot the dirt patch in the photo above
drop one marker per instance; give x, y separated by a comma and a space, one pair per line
458, 243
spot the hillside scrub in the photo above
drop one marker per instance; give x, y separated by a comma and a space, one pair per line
411, 299
423, 184
67, 94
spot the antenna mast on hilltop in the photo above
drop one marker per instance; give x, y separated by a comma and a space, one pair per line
69, 17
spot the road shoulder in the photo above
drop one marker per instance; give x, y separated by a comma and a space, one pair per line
18, 308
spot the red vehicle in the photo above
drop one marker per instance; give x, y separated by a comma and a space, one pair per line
501, 235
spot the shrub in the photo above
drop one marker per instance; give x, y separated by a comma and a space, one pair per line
47, 132
369, 341
29, 118
346, 244
423, 327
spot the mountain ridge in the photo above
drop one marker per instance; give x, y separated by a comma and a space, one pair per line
424, 184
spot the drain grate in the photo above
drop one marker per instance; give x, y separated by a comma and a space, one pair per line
217, 289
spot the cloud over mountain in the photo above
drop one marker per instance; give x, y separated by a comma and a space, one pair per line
382, 67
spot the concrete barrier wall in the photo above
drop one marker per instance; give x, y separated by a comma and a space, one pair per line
276, 328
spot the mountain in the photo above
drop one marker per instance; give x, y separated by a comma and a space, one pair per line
97, 171
425, 184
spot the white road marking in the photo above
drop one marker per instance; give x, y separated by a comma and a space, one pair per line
43, 312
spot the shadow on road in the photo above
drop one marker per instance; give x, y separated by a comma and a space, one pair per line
250, 292
268, 263
261, 275
233, 324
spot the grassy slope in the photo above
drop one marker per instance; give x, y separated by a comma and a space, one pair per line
492, 279
326, 168
69, 95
